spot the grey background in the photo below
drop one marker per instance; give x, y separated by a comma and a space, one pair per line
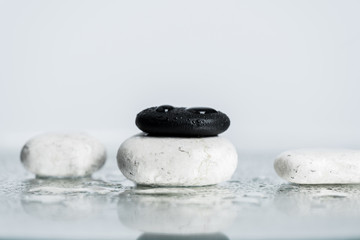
286, 72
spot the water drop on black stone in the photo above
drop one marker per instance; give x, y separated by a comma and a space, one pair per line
201, 110
164, 108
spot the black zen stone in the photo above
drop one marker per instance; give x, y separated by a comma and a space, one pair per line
171, 121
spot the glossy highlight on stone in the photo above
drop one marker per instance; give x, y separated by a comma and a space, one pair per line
167, 120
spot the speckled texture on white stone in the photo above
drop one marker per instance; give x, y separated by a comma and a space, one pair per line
319, 166
170, 161
63, 155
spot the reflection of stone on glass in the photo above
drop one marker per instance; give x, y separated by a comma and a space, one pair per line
211, 236
177, 210
319, 200
66, 199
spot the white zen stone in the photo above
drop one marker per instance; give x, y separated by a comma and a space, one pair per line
319, 166
175, 161
63, 155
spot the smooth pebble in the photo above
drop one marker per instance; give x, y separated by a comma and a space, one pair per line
177, 161
172, 121
319, 166
63, 155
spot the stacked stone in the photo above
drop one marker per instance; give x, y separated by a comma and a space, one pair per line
179, 147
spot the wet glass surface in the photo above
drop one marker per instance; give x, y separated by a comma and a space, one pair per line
255, 204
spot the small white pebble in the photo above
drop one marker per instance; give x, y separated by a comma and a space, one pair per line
319, 166
63, 155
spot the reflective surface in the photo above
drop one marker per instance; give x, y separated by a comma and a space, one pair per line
255, 204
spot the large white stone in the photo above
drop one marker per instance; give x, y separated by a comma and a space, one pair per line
63, 155
175, 161
319, 166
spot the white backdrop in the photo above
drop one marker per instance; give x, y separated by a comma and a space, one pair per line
286, 72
